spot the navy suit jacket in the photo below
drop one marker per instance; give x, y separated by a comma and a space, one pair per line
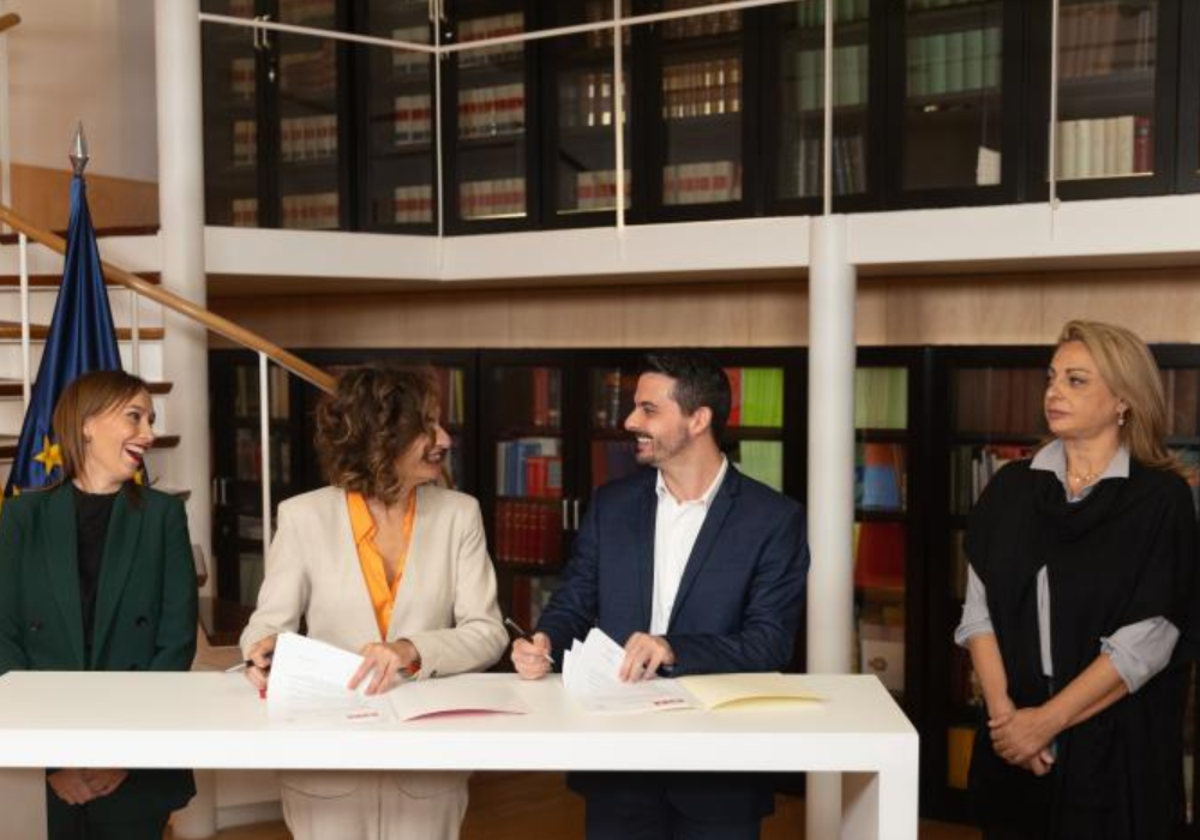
738, 607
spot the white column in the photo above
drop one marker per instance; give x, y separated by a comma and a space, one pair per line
185, 350
831, 296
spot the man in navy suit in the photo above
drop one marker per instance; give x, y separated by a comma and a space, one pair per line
694, 569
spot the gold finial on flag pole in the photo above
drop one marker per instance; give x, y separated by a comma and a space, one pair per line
79, 150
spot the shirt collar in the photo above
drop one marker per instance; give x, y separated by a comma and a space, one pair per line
660, 487
1053, 458
361, 522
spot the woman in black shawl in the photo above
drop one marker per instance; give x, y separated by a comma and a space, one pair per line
1080, 591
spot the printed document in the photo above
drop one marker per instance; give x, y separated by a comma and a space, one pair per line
590, 676
308, 687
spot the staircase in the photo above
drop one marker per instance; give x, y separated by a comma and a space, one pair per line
143, 356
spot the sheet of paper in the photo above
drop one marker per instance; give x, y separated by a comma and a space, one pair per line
590, 676
715, 691
308, 685
463, 694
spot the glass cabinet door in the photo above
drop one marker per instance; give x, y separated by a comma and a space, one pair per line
801, 99
583, 167
398, 176
489, 114
701, 94
232, 98
305, 72
953, 115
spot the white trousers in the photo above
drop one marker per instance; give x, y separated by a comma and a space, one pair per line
354, 805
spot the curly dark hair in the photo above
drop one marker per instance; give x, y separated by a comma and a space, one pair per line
370, 420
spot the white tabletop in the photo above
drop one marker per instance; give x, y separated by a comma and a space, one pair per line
217, 720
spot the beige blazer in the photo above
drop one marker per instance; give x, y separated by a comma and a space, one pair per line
446, 604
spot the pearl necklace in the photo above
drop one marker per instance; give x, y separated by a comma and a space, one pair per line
1081, 480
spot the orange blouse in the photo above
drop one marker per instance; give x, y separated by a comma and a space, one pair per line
383, 594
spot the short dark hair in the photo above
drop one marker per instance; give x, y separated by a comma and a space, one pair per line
371, 419
699, 382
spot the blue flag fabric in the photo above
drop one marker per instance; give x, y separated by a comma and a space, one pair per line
81, 339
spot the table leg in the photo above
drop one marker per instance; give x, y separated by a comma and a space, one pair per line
860, 807
23, 802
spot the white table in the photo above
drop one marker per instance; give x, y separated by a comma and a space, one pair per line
204, 720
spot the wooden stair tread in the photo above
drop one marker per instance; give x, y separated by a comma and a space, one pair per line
8, 445
12, 388
11, 330
101, 233
42, 281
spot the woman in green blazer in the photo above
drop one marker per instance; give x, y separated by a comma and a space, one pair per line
96, 574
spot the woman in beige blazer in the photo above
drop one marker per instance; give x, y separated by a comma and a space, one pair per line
387, 564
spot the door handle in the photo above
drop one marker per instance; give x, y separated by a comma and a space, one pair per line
566, 523
575, 505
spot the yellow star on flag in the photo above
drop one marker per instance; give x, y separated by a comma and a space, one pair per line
50, 456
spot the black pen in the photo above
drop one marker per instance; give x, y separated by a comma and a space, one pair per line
250, 663
520, 631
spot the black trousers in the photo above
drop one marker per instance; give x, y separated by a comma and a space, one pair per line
647, 814
74, 822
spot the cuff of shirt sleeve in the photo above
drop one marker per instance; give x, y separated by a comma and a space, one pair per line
1128, 667
966, 632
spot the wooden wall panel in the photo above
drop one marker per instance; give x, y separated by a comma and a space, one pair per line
44, 197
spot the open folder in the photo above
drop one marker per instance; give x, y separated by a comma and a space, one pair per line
308, 687
590, 676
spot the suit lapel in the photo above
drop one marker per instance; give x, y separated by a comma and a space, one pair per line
644, 527
62, 563
120, 549
344, 550
417, 546
709, 532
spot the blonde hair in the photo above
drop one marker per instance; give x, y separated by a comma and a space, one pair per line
1128, 368
86, 397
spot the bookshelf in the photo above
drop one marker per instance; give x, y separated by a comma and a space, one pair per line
992, 415
490, 105
396, 127
1115, 102
1187, 161
957, 101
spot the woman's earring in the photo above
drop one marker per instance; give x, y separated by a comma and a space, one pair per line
1121, 418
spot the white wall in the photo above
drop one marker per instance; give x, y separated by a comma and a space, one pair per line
90, 60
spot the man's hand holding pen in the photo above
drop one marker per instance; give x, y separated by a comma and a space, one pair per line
530, 654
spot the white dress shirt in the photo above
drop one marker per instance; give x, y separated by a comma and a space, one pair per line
676, 527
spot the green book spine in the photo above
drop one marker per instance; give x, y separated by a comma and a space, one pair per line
955, 50
936, 46
973, 60
992, 55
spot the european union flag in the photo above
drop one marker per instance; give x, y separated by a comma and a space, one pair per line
81, 339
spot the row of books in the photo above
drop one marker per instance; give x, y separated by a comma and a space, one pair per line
491, 111
613, 459
880, 398
413, 204
528, 533
250, 576
1182, 391
246, 393
601, 10
598, 190
316, 211
812, 12
451, 385
249, 526
757, 397
702, 88
1097, 39
702, 183
245, 142
1105, 148
533, 397
586, 101
999, 400
308, 12
612, 397
762, 460
959, 564
303, 139
530, 594
529, 467
954, 62
851, 79
248, 457
849, 165
879, 549
410, 62
413, 119
880, 478
698, 26
243, 212
306, 73
242, 78
496, 26
490, 198
925, 5
972, 468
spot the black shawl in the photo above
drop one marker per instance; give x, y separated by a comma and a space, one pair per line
1125, 553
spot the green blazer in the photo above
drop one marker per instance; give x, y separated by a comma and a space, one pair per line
145, 618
